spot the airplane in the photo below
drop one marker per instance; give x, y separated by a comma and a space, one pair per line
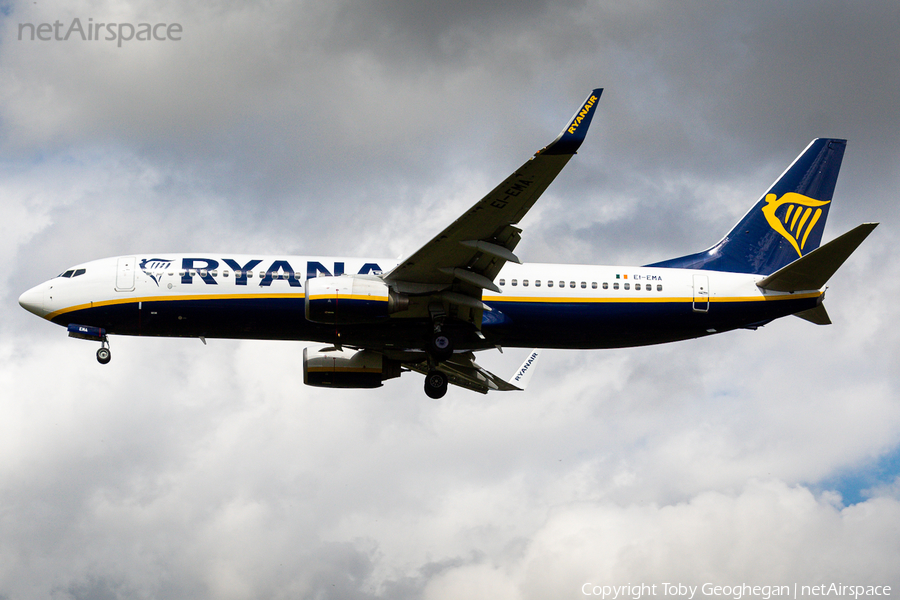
466, 291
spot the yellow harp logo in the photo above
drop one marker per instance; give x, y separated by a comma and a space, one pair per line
797, 221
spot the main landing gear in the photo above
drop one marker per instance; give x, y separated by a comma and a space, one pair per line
436, 384
440, 348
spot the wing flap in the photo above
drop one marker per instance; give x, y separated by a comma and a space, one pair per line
463, 371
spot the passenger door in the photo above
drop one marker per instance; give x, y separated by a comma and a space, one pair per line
701, 293
125, 274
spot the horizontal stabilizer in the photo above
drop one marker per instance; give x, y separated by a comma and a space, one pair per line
817, 315
812, 271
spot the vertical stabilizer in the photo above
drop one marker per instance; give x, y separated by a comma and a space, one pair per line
785, 224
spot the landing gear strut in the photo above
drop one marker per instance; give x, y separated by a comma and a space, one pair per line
440, 348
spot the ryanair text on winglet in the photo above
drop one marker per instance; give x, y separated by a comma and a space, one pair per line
582, 114
525, 366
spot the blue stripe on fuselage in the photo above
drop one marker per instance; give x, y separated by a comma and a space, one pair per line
585, 324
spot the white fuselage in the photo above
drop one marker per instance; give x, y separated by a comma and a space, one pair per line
540, 305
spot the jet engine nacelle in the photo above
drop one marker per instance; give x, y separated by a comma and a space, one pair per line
348, 299
339, 369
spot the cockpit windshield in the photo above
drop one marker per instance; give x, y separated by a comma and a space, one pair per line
73, 273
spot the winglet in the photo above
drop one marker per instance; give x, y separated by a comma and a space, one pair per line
523, 375
569, 140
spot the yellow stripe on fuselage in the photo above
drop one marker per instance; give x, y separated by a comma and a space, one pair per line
342, 370
620, 299
347, 297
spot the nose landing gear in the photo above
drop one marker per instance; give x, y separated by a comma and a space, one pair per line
93, 334
103, 354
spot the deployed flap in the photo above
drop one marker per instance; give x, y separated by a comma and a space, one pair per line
463, 371
473, 249
812, 271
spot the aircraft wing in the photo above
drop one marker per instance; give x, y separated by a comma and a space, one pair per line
464, 258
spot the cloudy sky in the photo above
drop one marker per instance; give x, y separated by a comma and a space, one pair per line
188, 471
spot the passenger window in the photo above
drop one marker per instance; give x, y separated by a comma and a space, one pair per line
502, 282
525, 282
584, 285
605, 286
562, 284
627, 286
658, 287
571, 284
549, 283
616, 285
637, 287
214, 273
515, 282
203, 272
593, 285
224, 273
537, 283
237, 274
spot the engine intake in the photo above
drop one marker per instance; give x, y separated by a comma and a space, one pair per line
349, 299
339, 369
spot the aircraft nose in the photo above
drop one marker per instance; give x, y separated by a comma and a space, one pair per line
33, 301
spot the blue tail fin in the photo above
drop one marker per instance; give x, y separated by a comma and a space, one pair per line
784, 225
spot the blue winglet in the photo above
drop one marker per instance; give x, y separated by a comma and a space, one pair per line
569, 140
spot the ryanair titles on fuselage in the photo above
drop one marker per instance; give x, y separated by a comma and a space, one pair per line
203, 268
